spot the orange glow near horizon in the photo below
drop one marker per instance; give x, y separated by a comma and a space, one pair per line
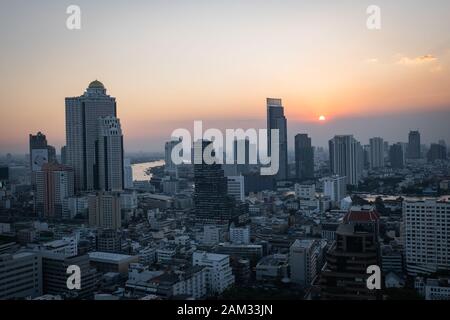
168, 63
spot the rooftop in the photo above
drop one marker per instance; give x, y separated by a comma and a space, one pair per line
96, 85
108, 257
361, 214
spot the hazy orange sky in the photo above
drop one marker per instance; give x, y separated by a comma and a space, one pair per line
170, 62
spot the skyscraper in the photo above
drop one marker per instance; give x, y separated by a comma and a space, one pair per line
54, 183
82, 115
108, 173
413, 151
346, 158
304, 157
127, 174
40, 151
397, 156
170, 167
277, 120
211, 201
335, 187
63, 155
437, 152
376, 158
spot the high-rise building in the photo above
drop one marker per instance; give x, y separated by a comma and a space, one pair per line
304, 157
54, 183
335, 187
21, 275
82, 114
346, 158
303, 260
426, 235
235, 187
104, 210
63, 155
170, 167
413, 151
345, 275
243, 160
127, 174
211, 201
108, 167
40, 151
437, 152
397, 156
376, 158
277, 120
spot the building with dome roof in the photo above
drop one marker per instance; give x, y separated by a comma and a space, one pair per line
82, 114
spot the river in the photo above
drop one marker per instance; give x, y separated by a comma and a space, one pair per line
139, 169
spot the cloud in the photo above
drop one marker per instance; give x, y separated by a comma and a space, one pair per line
421, 60
372, 60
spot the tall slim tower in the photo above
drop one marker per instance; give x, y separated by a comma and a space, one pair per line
414, 145
170, 167
40, 151
397, 156
277, 120
304, 157
108, 165
211, 201
376, 153
346, 158
82, 115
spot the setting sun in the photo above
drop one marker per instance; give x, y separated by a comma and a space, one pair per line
322, 118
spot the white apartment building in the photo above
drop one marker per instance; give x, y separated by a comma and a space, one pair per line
164, 255
236, 187
240, 235
67, 246
305, 191
335, 188
426, 235
218, 270
303, 260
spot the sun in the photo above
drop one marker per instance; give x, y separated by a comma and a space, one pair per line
322, 118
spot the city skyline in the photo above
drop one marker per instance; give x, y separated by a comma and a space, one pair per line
319, 58
338, 127
228, 151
